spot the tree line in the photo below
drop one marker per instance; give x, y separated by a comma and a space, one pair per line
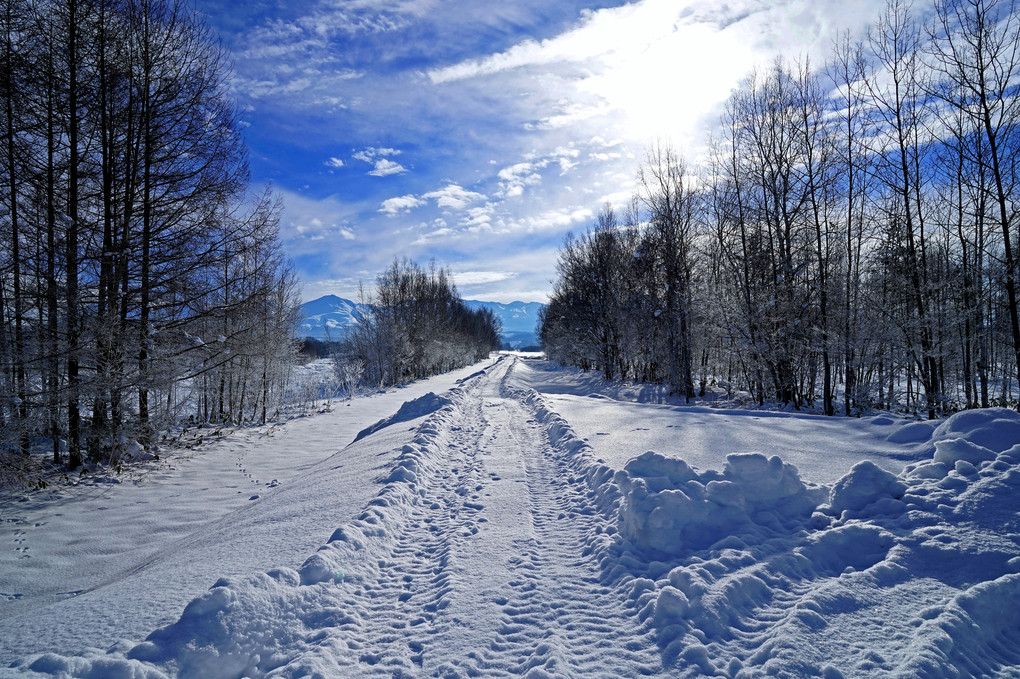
851, 232
419, 326
141, 280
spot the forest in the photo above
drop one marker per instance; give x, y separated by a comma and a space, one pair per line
419, 327
142, 281
847, 241
141, 278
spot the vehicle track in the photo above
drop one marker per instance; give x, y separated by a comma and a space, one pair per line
491, 573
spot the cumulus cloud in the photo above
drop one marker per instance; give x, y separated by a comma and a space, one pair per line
379, 159
385, 167
479, 218
482, 277
513, 179
454, 197
371, 154
395, 206
335, 162
450, 197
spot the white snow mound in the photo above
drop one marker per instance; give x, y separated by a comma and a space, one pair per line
670, 509
747, 572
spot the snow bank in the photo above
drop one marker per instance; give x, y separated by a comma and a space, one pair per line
967, 441
744, 572
409, 410
575, 453
750, 571
261, 625
670, 509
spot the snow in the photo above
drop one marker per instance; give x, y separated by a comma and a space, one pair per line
621, 421
481, 525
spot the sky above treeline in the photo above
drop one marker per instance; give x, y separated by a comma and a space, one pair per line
480, 132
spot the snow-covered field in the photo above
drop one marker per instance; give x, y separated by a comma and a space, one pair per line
506, 520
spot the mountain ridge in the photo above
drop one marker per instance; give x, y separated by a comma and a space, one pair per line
330, 317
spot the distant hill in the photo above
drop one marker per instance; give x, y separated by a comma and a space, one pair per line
520, 320
332, 316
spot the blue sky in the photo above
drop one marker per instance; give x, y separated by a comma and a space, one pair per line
480, 133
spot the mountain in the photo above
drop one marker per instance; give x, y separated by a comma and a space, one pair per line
520, 320
336, 314
330, 317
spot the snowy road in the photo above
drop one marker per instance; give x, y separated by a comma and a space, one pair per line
486, 573
529, 594
477, 533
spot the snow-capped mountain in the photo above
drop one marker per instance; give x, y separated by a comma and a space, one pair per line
520, 320
516, 316
330, 317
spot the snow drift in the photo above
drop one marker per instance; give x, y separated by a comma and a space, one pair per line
741, 572
751, 570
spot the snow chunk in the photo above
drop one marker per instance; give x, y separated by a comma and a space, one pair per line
670, 508
763, 479
857, 546
671, 605
951, 451
995, 429
410, 410
660, 472
865, 484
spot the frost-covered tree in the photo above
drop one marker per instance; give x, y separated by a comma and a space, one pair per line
853, 229
131, 227
418, 327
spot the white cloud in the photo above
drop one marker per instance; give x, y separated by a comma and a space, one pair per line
385, 167
479, 218
561, 218
394, 206
438, 234
482, 277
335, 162
382, 166
513, 179
454, 196
648, 69
371, 154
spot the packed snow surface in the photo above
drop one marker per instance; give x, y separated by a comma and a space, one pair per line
481, 526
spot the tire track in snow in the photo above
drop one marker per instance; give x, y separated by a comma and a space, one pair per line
400, 599
554, 614
492, 573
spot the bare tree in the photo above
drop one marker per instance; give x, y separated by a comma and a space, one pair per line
898, 92
976, 49
668, 193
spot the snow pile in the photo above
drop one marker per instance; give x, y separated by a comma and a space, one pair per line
867, 489
670, 509
968, 440
409, 410
750, 571
271, 622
